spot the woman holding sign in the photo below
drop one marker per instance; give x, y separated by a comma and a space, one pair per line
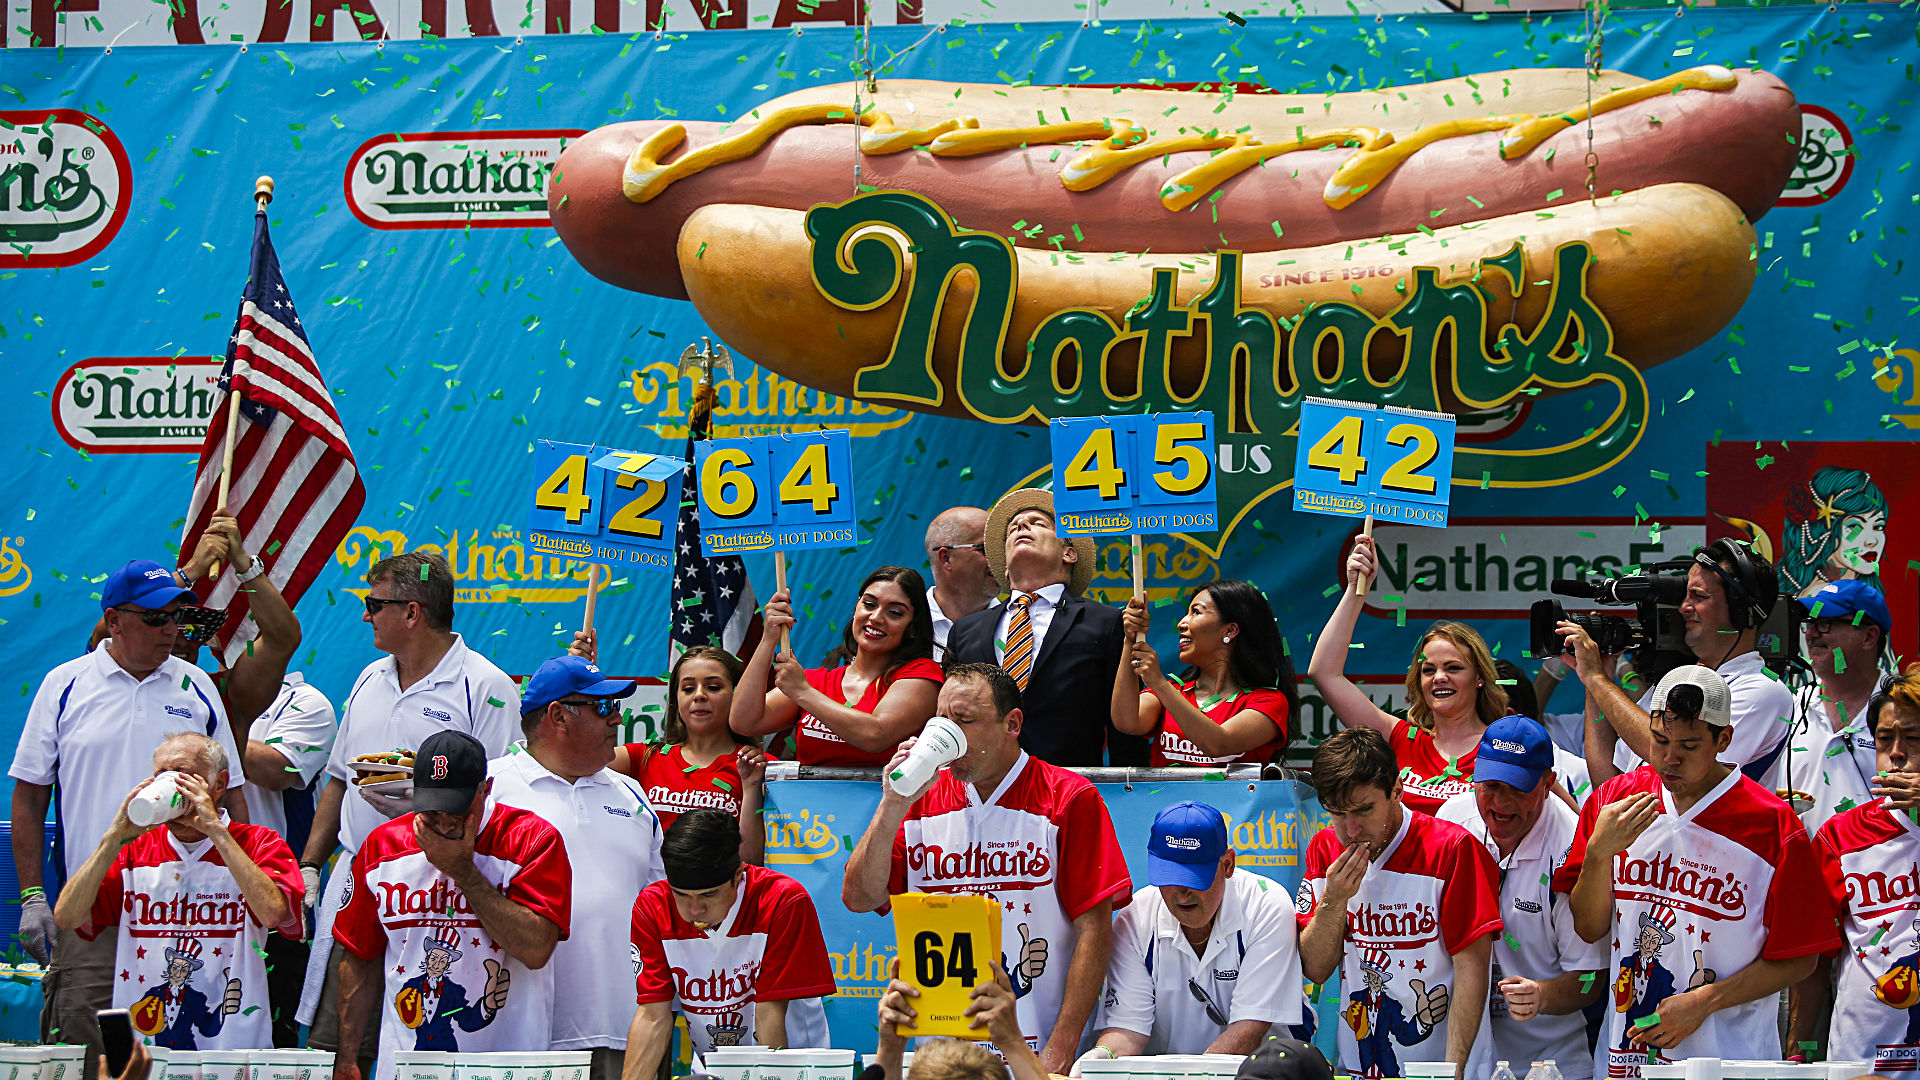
857, 714
1237, 698
1453, 693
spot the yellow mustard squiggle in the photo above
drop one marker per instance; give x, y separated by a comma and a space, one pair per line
1122, 145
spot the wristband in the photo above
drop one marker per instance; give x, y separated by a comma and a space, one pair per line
310, 866
254, 569
31, 892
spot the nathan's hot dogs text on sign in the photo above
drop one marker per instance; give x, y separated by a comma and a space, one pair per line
1134, 474
947, 944
1358, 461
776, 492
1201, 251
602, 505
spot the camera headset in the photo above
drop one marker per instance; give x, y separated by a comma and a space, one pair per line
1751, 591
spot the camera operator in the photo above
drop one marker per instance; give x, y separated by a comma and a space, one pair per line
1730, 589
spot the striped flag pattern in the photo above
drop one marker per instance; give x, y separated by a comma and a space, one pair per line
295, 489
712, 600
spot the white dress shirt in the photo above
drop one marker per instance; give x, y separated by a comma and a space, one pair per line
1539, 941
942, 624
1039, 613
613, 843
1830, 767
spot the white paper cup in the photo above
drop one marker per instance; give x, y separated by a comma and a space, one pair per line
226, 1065
420, 1065
289, 1065
22, 1062
64, 1062
783, 1065
181, 1065
940, 742
540, 1065
160, 800
731, 1062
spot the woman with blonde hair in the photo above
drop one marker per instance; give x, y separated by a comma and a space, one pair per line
1453, 693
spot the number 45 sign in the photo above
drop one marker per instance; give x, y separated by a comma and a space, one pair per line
1364, 461
1151, 473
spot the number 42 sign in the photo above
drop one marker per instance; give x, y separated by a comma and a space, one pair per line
598, 504
1392, 464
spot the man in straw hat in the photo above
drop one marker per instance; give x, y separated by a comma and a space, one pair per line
1060, 649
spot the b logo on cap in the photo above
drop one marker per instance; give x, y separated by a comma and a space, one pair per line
439, 766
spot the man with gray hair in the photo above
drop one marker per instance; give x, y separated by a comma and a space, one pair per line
428, 682
194, 895
962, 583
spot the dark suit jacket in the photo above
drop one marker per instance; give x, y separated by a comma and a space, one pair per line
1066, 701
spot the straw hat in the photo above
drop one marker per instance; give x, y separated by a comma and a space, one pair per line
1009, 506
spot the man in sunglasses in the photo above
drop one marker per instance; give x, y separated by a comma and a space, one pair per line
429, 682
90, 735
571, 714
962, 582
1204, 960
1831, 754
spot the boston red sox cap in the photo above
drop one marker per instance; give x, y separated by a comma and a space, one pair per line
448, 770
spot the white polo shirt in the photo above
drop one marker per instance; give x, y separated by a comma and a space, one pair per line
1251, 969
300, 726
613, 844
1539, 941
1833, 768
1763, 714
464, 692
1039, 614
942, 624
93, 728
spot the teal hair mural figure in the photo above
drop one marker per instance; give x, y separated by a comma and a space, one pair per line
1836, 528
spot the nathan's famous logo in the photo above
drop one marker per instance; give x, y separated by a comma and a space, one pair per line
1873, 894
1267, 840
136, 404
864, 970
763, 403
859, 263
15, 575
799, 837
145, 910
1497, 567
983, 866
443, 897
65, 182
496, 567
1898, 373
1401, 923
1681, 883
1827, 153
450, 180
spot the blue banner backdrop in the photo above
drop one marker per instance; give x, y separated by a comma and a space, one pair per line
812, 826
455, 329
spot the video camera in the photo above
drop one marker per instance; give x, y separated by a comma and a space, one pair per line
1654, 634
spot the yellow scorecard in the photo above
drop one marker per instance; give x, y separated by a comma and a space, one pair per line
947, 947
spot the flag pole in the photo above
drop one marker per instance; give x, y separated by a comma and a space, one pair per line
262, 195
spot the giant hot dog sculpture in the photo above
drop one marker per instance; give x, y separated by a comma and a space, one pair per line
1127, 197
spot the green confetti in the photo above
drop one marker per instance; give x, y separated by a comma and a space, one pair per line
1647, 1021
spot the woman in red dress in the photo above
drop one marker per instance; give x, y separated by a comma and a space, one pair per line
856, 714
1237, 698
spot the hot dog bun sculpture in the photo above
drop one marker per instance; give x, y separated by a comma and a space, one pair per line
1315, 199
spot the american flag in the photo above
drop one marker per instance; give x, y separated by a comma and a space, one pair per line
295, 489
712, 599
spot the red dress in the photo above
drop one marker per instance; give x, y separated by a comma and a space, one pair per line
673, 786
814, 744
1427, 777
1171, 747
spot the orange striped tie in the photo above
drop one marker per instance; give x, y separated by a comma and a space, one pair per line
1018, 659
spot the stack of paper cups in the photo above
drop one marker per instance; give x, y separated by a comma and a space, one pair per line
940, 741
159, 801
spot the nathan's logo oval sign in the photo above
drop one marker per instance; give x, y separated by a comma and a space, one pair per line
136, 404
65, 182
1826, 158
452, 180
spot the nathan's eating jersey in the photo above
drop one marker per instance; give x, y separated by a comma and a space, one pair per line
449, 985
190, 966
1042, 845
1870, 856
768, 948
1428, 777
1697, 897
816, 744
1429, 895
1171, 747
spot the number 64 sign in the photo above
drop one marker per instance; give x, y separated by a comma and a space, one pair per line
775, 491
1365, 461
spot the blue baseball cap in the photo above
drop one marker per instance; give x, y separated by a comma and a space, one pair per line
1185, 846
565, 676
1514, 750
143, 583
1844, 598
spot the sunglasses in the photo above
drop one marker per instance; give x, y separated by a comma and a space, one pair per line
1200, 994
1828, 625
196, 623
605, 708
375, 603
962, 547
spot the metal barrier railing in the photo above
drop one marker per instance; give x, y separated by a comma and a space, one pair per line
790, 770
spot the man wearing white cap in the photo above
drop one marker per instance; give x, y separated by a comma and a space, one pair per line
1703, 884
1204, 960
1543, 973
